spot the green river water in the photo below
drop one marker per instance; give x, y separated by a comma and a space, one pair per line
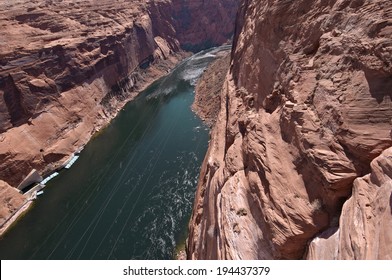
130, 194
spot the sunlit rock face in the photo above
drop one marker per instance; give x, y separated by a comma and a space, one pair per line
299, 151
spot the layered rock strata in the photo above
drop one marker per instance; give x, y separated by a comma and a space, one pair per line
66, 68
306, 112
365, 225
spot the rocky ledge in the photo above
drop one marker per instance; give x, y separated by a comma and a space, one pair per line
67, 67
299, 164
208, 88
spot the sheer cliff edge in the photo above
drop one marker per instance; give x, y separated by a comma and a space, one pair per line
300, 164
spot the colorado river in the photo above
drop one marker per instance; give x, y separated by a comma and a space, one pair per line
130, 194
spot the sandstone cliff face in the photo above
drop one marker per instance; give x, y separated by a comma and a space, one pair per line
10, 201
305, 108
66, 67
203, 24
207, 91
365, 223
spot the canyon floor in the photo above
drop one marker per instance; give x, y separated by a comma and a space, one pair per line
67, 68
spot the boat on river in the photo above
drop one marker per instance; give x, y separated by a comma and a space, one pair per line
50, 177
71, 162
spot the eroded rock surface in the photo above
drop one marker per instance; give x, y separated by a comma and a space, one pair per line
10, 202
305, 108
365, 223
208, 89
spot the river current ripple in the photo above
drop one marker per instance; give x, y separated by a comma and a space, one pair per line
130, 194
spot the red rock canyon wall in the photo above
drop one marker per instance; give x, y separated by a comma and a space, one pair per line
300, 152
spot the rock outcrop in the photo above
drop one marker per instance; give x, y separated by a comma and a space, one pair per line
208, 88
66, 68
10, 202
306, 112
365, 223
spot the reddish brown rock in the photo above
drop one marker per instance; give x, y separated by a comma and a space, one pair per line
305, 108
10, 202
365, 224
208, 88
